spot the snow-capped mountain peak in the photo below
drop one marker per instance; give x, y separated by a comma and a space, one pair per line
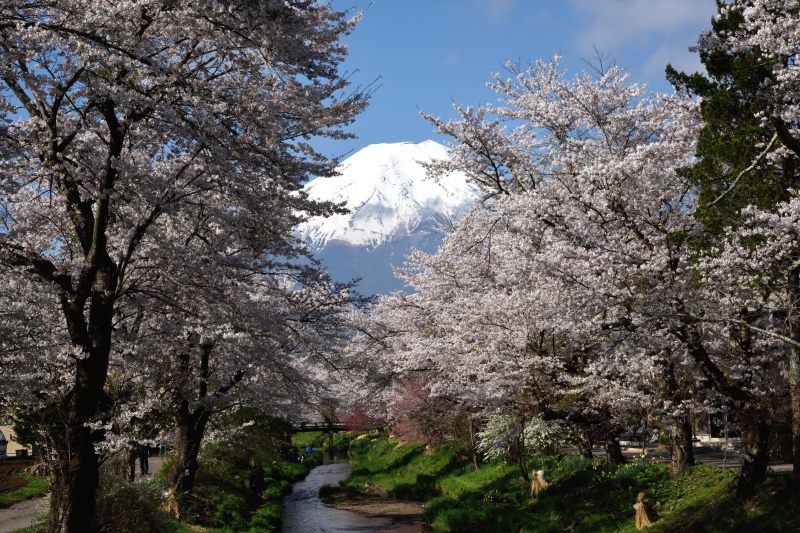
388, 194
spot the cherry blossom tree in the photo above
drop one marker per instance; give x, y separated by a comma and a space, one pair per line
747, 171
575, 277
771, 28
600, 242
131, 132
250, 341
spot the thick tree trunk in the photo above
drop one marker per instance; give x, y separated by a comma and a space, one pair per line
191, 430
794, 368
614, 452
76, 470
680, 447
192, 424
519, 453
755, 438
75, 477
87, 303
584, 442
473, 445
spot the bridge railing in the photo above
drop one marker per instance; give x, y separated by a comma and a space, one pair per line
319, 426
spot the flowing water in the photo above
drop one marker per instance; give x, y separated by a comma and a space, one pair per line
303, 512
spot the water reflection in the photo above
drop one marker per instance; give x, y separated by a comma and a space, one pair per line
303, 512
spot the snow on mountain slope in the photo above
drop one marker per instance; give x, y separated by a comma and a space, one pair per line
388, 195
393, 206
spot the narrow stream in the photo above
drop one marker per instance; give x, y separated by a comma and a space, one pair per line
303, 512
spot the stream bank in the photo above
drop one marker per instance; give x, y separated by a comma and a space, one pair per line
304, 512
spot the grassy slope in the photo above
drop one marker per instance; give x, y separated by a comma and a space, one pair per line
221, 496
583, 496
268, 516
221, 502
35, 487
308, 438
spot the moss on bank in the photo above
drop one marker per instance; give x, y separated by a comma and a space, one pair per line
583, 495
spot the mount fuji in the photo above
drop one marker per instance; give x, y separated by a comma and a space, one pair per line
393, 207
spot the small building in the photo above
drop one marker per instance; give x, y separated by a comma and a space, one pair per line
9, 447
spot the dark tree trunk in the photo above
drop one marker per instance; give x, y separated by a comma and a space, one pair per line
519, 454
76, 469
523, 468
614, 452
87, 304
191, 430
75, 477
680, 447
794, 368
192, 423
755, 438
584, 442
473, 446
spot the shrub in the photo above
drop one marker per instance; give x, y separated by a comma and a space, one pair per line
125, 507
230, 511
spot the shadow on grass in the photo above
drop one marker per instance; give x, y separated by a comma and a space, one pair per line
406, 472
401, 461
772, 507
584, 495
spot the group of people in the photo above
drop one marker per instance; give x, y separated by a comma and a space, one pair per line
141, 452
290, 454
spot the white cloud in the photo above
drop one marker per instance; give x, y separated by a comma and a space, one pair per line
495, 9
657, 60
616, 22
661, 30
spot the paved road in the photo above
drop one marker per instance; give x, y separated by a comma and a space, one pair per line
154, 466
702, 454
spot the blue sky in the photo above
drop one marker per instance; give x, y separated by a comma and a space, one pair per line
431, 53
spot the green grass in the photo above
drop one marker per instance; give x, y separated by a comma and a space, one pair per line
583, 495
36, 486
40, 528
221, 501
308, 438
383, 466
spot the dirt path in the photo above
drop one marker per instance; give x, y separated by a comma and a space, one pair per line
385, 507
154, 465
23, 514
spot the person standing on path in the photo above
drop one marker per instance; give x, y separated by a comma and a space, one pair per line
144, 459
257, 482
